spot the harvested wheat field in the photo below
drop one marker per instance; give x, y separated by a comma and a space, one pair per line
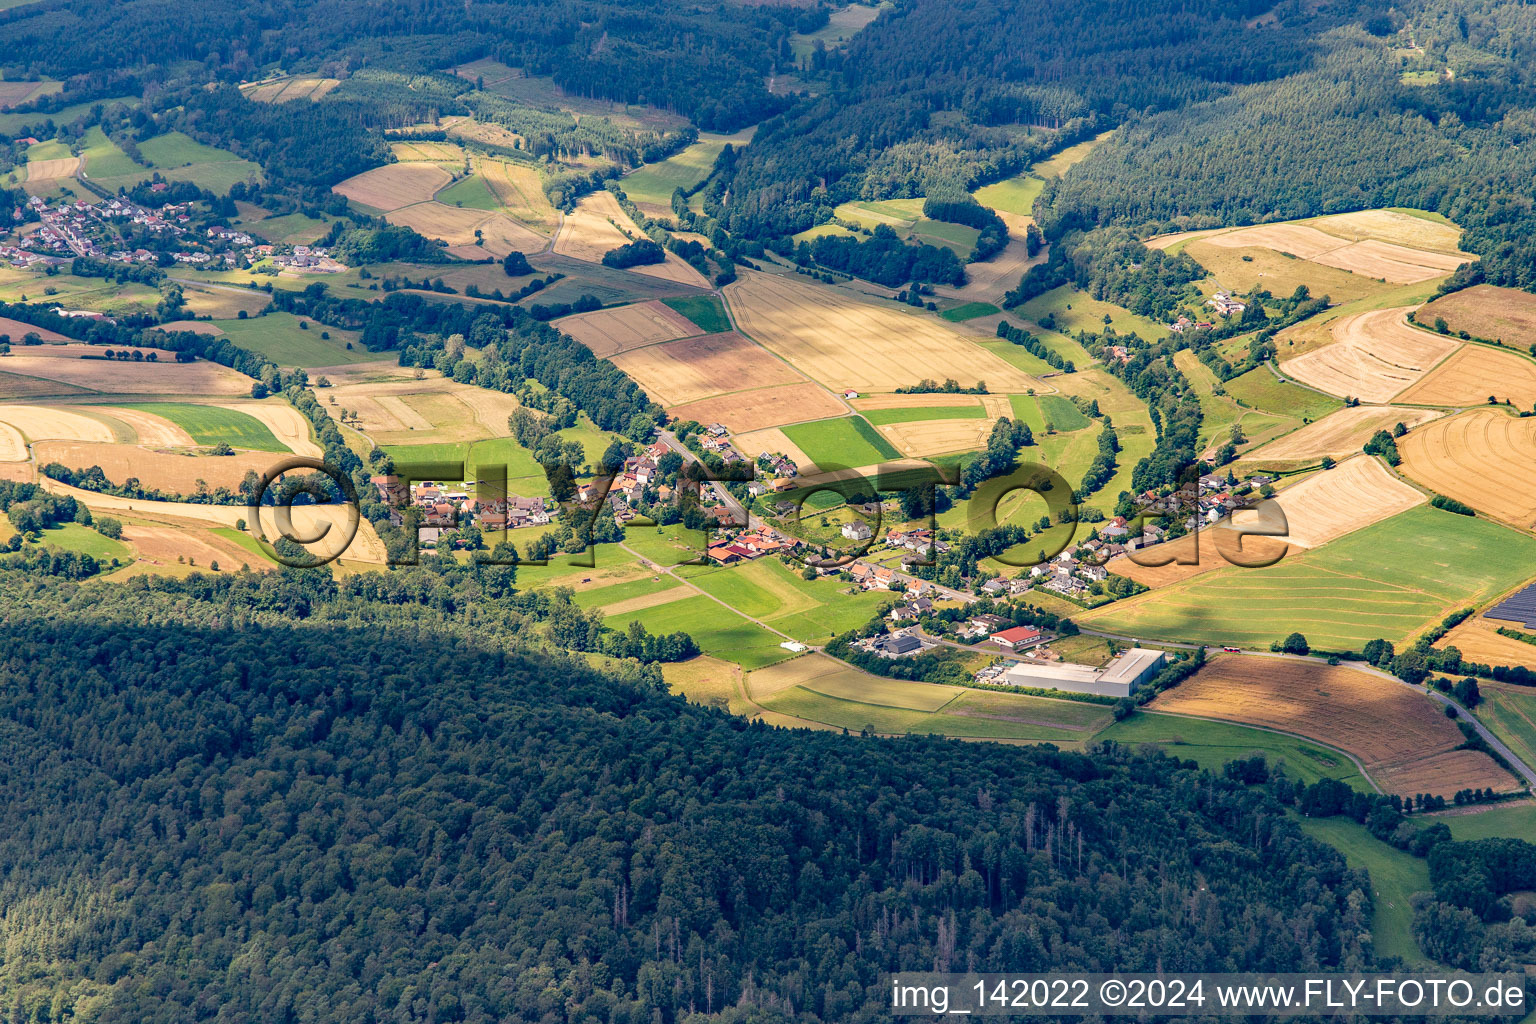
195, 326
990, 280
452, 224
288, 89
937, 437
308, 520
13, 447
200, 549
395, 185
1485, 458
1218, 547
1487, 311
500, 234
1339, 433
148, 429
18, 330
1299, 240
165, 471
41, 423
589, 231
48, 170
743, 411
122, 378
608, 332
1401, 737
1475, 373
21, 472
287, 424
1395, 264
673, 269
15, 385
14, 94
428, 152
421, 411
519, 190
1374, 356
1398, 228
867, 402
693, 369
1330, 503
1478, 640
772, 440
847, 343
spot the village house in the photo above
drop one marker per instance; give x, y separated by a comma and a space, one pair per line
857, 530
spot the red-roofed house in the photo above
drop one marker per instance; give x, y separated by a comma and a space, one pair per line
1017, 638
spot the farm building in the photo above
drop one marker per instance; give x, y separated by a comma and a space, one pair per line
1119, 678
1017, 638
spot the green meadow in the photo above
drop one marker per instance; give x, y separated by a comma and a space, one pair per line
210, 425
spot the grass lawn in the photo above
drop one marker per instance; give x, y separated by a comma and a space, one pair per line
706, 311
719, 632
1012, 195
278, 337
1388, 580
812, 611
289, 229
843, 441
880, 417
103, 159
84, 540
655, 183
1078, 311
895, 707
666, 545
1511, 713
471, 193
209, 424
1212, 744
1514, 821
1395, 877
969, 311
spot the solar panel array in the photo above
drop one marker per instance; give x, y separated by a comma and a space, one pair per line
1520, 607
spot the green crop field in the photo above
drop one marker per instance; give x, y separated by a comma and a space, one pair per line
83, 540
844, 441
1012, 195
209, 425
1511, 714
179, 157
812, 611
655, 183
1078, 311
471, 193
1212, 744
289, 229
1395, 877
1389, 580
1016, 355
969, 311
259, 552
1259, 389
718, 631
880, 417
706, 312
278, 337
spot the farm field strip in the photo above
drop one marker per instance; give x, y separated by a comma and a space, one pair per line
746, 412
1404, 741
1340, 433
1354, 494
1472, 375
608, 332
846, 343
1487, 311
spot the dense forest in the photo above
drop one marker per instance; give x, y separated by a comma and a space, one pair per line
281, 797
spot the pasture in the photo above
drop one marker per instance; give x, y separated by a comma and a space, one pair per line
212, 425
1374, 356
1502, 821
1487, 311
1212, 744
1011, 195
820, 690
693, 369
1483, 457
1389, 580
844, 342
102, 158
279, 337
650, 187
1076, 310
1396, 876
842, 441
1475, 373
1399, 735
1339, 433
718, 631
707, 312
471, 192
812, 611
179, 157
289, 229
607, 332
1510, 711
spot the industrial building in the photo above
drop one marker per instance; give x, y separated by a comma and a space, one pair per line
1119, 678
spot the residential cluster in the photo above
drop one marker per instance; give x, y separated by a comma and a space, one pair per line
443, 507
